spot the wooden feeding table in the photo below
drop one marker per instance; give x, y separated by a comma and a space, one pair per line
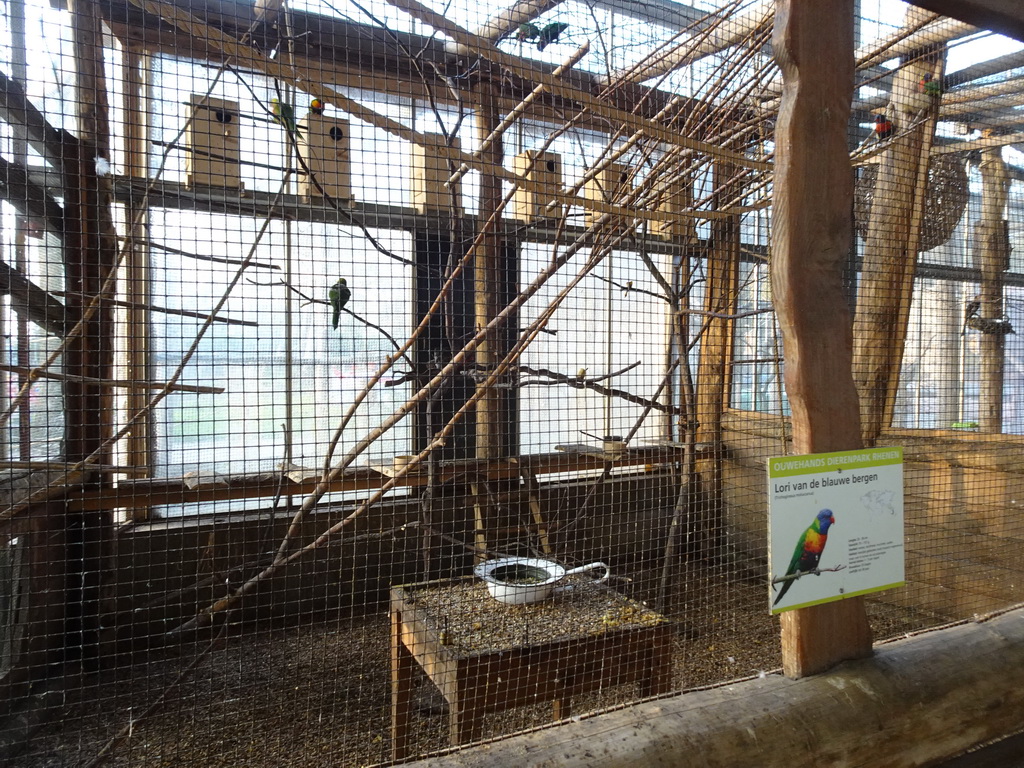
487, 656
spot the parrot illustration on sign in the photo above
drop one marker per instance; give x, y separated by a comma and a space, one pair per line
808, 549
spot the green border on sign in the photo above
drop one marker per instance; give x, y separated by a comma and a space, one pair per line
789, 466
834, 598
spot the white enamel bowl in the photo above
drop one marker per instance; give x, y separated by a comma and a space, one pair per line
522, 580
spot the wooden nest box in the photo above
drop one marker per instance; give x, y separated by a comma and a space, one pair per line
545, 169
430, 172
213, 158
677, 198
325, 148
608, 186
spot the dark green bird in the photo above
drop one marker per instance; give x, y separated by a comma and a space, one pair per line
550, 34
808, 549
339, 296
527, 31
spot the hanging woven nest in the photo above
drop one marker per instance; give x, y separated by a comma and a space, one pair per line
944, 203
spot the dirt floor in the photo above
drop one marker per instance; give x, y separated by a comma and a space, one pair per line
319, 695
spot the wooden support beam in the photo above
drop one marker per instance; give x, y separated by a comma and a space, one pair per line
992, 257
33, 303
890, 248
138, 444
916, 702
29, 199
488, 274
811, 236
90, 251
153, 492
714, 374
1003, 16
29, 124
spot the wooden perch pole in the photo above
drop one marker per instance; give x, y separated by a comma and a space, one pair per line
505, 22
729, 31
891, 246
488, 276
811, 236
992, 258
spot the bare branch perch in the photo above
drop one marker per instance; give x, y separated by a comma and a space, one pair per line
812, 572
39, 373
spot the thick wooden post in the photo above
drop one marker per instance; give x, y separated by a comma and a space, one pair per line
992, 257
713, 370
811, 232
488, 275
90, 251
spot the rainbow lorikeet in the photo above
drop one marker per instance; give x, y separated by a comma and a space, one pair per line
808, 549
883, 127
316, 106
930, 85
339, 294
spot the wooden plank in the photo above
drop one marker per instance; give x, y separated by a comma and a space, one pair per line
402, 668
138, 444
811, 235
1003, 16
952, 689
174, 491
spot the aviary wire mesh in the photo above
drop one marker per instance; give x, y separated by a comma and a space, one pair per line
313, 308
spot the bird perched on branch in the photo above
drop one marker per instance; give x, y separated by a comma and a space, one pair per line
543, 36
527, 31
550, 34
339, 294
284, 115
808, 549
930, 84
883, 127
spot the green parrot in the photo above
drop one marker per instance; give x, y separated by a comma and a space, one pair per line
527, 31
550, 34
339, 296
284, 115
808, 549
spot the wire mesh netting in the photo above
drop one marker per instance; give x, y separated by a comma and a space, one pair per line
385, 376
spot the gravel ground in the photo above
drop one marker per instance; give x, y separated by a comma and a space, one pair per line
319, 695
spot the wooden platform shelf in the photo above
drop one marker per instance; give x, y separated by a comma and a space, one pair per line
486, 656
